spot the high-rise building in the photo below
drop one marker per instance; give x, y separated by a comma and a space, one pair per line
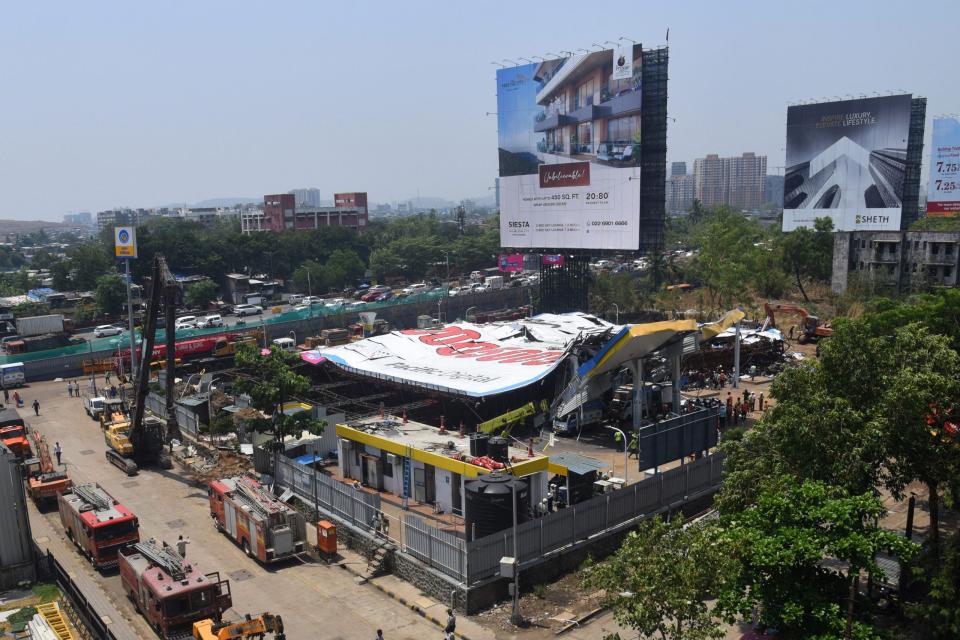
737, 181
307, 197
679, 193
678, 169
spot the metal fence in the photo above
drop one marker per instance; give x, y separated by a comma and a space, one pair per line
357, 508
92, 620
441, 550
539, 538
187, 420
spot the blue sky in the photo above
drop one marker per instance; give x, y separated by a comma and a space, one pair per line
139, 104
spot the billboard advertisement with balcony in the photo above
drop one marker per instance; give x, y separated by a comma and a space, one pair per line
569, 144
846, 161
943, 195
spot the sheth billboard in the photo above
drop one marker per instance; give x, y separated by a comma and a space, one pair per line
569, 145
943, 190
846, 161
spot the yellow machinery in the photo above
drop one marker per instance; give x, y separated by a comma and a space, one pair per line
250, 627
116, 433
510, 418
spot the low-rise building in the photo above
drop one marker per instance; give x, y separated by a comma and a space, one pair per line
281, 212
895, 261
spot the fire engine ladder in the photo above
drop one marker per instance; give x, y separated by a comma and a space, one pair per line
164, 557
89, 494
255, 498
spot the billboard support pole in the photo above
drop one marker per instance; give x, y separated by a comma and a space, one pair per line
736, 359
133, 338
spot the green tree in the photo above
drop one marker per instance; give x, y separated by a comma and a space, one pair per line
344, 267
939, 611
200, 294
110, 294
385, 263
725, 262
782, 542
270, 381
808, 253
88, 262
28, 309
309, 277
658, 581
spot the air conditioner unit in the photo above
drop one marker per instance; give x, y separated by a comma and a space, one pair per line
392, 458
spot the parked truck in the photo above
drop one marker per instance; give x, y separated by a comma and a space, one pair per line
590, 414
97, 524
494, 282
43, 342
39, 325
13, 433
44, 481
169, 592
264, 527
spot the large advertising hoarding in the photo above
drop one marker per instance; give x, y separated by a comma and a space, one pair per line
569, 144
943, 193
846, 161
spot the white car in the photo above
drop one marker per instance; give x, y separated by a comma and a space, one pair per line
210, 321
335, 302
186, 322
107, 330
242, 310
310, 300
415, 288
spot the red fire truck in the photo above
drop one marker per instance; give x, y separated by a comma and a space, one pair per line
96, 523
169, 592
266, 528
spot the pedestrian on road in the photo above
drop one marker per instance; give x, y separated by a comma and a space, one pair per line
106, 376
634, 446
182, 546
69, 388
618, 439
760, 400
753, 372
36, 406
723, 416
451, 623
17, 400
6, 396
57, 451
379, 634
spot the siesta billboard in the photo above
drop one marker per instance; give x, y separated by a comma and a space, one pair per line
569, 151
846, 161
943, 187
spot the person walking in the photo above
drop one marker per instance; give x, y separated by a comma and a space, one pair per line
723, 416
106, 376
451, 623
182, 546
618, 439
760, 402
634, 446
69, 388
6, 396
17, 400
36, 406
379, 634
58, 451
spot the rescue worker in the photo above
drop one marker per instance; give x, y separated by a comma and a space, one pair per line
36, 406
182, 546
618, 439
57, 451
634, 446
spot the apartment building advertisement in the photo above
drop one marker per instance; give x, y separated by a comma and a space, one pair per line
569, 151
846, 161
943, 188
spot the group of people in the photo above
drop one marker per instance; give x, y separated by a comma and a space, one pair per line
734, 411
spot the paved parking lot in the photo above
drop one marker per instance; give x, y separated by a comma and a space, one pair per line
315, 600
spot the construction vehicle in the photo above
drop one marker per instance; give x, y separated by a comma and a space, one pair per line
507, 420
249, 627
96, 523
116, 433
148, 437
13, 433
264, 527
588, 414
811, 328
44, 481
169, 592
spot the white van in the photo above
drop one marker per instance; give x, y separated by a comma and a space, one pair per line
185, 322
285, 344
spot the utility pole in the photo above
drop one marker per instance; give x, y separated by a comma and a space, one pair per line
133, 337
736, 358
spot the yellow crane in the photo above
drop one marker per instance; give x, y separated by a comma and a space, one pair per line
249, 627
507, 420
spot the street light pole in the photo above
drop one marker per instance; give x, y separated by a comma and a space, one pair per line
515, 616
626, 454
617, 309
736, 359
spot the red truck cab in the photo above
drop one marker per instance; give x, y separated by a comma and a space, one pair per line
168, 591
13, 433
97, 524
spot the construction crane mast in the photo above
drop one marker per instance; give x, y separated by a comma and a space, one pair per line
148, 439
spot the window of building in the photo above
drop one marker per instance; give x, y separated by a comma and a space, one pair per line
623, 129
933, 272
916, 245
947, 272
584, 95
949, 249
387, 467
584, 138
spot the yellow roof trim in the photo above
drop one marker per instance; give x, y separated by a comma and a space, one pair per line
527, 467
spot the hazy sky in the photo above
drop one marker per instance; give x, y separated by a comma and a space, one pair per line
140, 104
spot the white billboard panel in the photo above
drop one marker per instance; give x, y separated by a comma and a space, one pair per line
569, 145
846, 161
943, 194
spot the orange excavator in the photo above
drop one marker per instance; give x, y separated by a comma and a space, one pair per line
811, 328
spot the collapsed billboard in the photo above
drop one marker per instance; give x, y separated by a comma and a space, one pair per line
846, 161
943, 191
569, 151
465, 358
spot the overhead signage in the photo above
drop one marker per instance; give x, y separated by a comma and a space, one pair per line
125, 242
